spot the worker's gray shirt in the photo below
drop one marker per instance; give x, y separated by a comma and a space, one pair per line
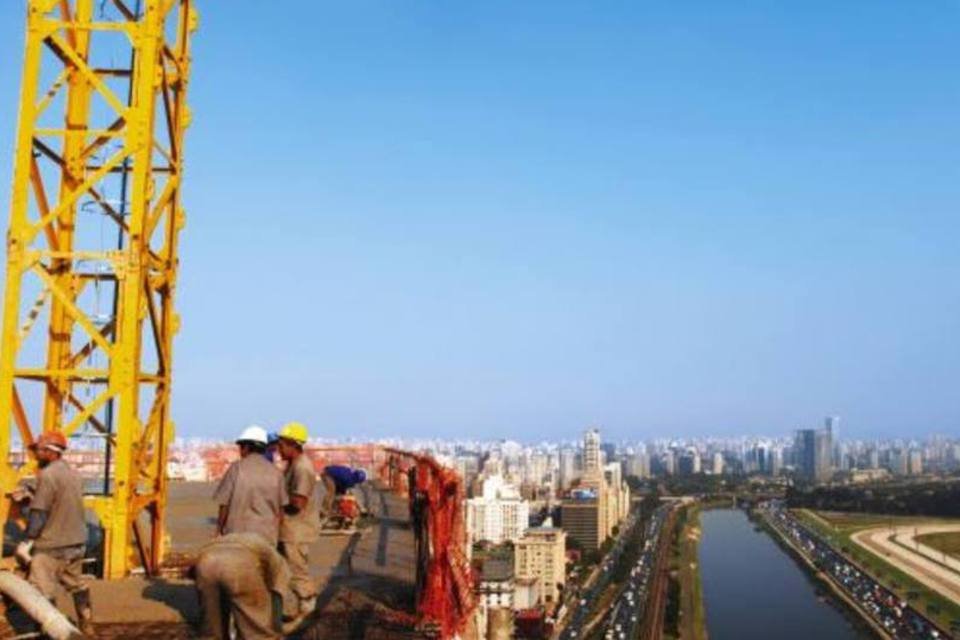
60, 494
248, 563
276, 574
301, 480
254, 493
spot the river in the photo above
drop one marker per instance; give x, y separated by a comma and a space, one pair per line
753, 590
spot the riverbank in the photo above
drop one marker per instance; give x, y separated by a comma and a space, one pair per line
686, 616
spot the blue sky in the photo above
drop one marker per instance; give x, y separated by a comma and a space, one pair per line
515, 219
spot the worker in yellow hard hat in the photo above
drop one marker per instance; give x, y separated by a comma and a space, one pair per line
301, 520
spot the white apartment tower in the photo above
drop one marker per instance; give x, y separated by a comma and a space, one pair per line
499, 515
592, 464
717, 463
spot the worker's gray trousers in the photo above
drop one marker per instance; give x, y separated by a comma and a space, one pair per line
50, 567
232, 583
298, 559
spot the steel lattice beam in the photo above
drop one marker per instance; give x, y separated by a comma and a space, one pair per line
98, 155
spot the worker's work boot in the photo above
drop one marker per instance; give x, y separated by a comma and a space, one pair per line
81, 600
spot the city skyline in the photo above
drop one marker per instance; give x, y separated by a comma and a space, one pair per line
612, 436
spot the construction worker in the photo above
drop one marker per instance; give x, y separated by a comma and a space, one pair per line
56, 529
252, 494
301, 520
242, 575
338, 480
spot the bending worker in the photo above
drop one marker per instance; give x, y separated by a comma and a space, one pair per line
252, 494
242, 575
56, 530
338, 480
301, 520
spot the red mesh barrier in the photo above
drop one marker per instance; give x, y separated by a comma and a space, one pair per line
447, 595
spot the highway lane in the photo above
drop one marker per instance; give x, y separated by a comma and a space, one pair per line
622, 620
626, 618
898, 618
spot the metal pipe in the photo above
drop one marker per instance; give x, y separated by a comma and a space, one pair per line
51, 620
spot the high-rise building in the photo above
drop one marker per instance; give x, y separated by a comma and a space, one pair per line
623, 501
541, 554
717, 463
831, 424
603, 499
613, 481
824, 457
668, 462
584, 520
807, 454
498, 515
591, 453
814, 455
568, 468
688, 463
776, 461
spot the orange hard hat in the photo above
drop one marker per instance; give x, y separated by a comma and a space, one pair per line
51, 440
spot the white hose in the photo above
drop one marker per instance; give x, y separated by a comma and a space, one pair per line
54, 624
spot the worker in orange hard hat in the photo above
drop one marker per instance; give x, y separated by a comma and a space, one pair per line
57, 531
300, 525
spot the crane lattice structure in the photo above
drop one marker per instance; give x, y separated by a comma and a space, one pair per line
88, 309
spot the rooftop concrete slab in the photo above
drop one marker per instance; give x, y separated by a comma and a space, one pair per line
359, 576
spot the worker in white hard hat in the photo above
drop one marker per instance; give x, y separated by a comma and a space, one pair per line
301, 521
252, 494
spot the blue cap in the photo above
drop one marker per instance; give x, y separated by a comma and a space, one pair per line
273, 437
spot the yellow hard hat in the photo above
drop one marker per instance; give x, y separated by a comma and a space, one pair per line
295, 431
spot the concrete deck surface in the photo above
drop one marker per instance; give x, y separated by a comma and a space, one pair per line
372, 568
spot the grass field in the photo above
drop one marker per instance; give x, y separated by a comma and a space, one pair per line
948, 543
838, 527
684, 564
694, 620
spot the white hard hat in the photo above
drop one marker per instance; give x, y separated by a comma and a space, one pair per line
253, 433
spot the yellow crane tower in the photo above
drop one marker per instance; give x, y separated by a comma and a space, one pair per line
88, 309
